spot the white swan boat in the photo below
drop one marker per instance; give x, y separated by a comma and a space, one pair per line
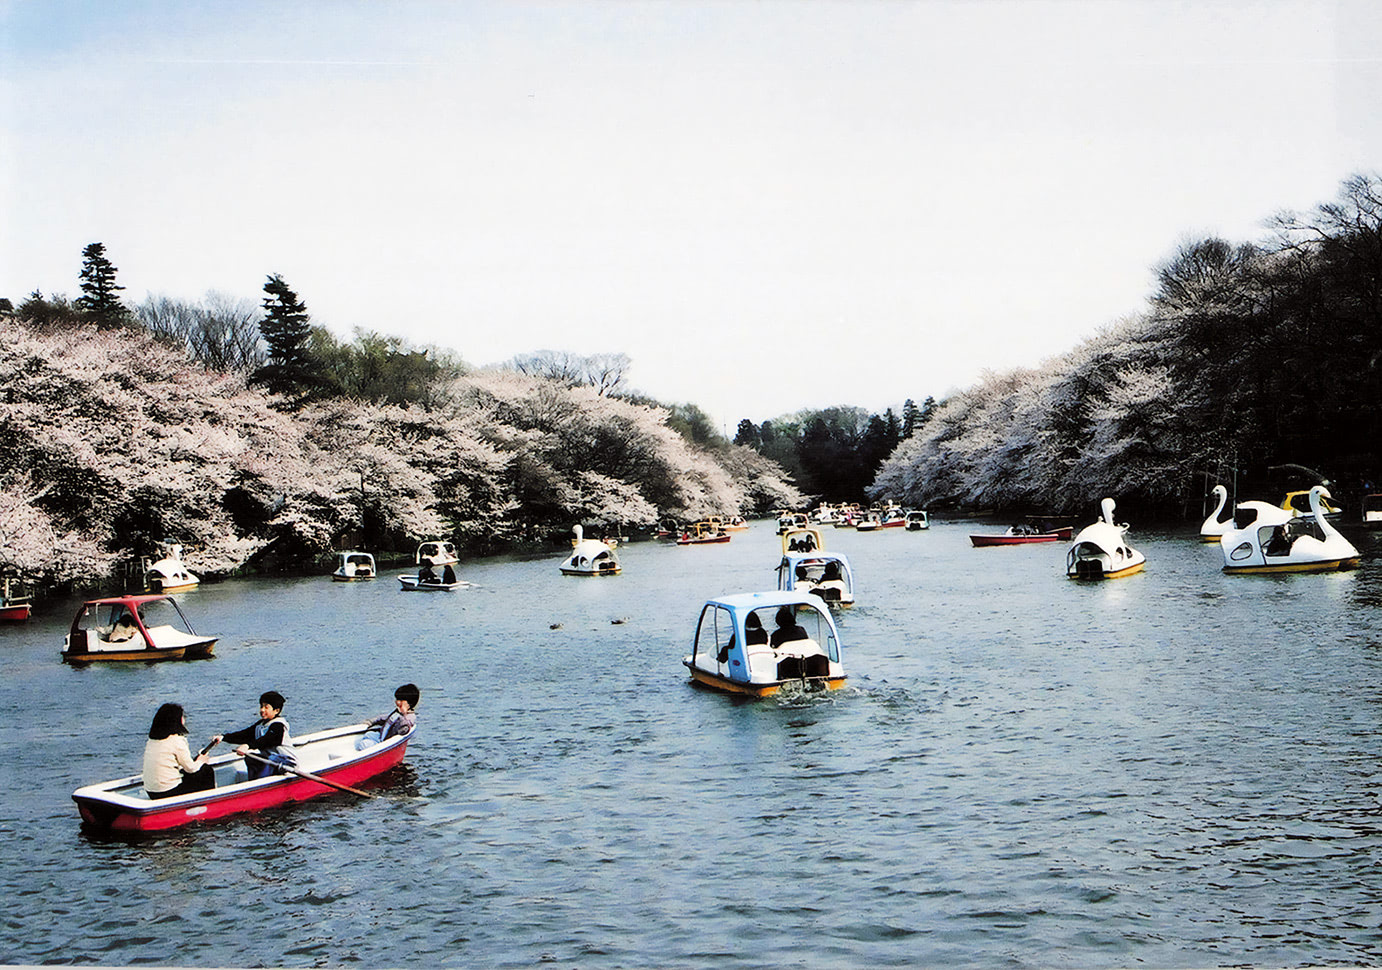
1216, 523
1101, 550
169, 574
1272, 539
590, 557
734, 651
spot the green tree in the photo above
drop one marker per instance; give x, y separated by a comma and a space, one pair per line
286, 330
99, 301
747, 434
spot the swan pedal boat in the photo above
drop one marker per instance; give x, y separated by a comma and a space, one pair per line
722, 658
1101, 550
170, 575
590, 557
122, 805
918, 520
1272, 539
1019, 535
160, 631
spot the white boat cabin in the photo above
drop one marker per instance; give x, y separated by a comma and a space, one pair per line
438, 552
354, 565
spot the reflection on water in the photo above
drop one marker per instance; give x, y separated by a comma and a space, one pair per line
1174, 769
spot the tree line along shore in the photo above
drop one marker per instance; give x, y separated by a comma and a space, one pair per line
257, 440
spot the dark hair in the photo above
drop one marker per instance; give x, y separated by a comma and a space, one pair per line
753, 622
273, 698
785, 615
167, 722
409, 693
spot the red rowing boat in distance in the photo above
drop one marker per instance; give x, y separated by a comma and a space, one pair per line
1016, 536
329, 756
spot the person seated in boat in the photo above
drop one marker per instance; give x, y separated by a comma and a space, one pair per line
802, 578
832, 584
1279, 544
267, 737
124, 629
788, 629
804, 543
169, 768
400, 720
448, 575
754, 634
426, 574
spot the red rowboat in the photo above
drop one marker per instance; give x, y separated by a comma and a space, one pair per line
330, 756
1018, 538
15, 603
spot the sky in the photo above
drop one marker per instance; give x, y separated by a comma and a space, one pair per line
768, 206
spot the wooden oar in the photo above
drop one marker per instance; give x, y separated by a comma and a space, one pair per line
309, 776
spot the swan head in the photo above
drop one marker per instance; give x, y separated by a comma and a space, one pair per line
1220, 491
1107, 506
580, 533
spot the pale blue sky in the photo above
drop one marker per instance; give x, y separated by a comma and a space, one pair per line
768, 206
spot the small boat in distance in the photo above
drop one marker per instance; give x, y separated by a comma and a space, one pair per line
169, 574
732, 649
590, 557
1372, 511
16, 602
352, 566
327, 762
1101, 550
136, 629
918, 520
1214, 526
1298, 503
704, 532
1022, 534
430, 579
438, 552
1270, 539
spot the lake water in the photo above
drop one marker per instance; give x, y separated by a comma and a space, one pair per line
1176, 769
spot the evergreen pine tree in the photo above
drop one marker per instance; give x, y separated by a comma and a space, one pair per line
98, 300
285, 329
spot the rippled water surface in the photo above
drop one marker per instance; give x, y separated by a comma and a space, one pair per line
1180, 768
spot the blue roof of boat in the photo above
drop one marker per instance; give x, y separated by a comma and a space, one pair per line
754, 601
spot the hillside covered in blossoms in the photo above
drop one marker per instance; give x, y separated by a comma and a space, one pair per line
114, 442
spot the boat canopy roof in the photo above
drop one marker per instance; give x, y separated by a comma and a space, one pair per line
131, 600
744, 602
